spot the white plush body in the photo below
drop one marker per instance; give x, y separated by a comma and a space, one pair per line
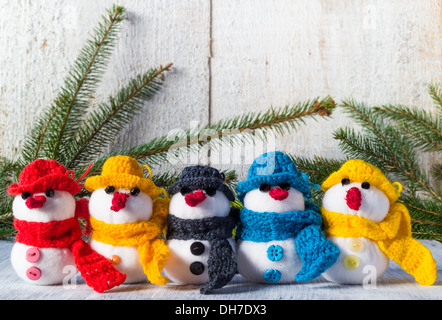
371, 262
252, 257
56, 265
177, 267
129, 260
253, 262
137, 208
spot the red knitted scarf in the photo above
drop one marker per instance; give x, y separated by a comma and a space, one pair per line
98, 272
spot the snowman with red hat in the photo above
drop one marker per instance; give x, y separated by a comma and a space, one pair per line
48, 242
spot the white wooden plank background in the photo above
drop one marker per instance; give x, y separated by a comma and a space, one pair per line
395, 284
229, 57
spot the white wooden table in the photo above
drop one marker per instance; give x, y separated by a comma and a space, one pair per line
395, 284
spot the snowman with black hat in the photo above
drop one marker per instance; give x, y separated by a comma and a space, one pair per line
200, 225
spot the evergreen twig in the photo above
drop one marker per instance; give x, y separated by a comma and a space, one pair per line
56, 128
242, 128
64, 132
424, 128
103, 124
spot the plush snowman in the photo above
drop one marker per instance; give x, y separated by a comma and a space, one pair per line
279, 233
199, 235
49, 248
127, 219
361, 216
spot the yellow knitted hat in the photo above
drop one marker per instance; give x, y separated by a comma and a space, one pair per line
123, 172
361, 171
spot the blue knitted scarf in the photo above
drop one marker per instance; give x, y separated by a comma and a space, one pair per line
317, 253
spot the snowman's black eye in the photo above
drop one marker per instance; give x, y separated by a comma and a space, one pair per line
109, 189
210, 192
345, 181
264, 187
184, 190
365, 185
285, 186
49, 193
135, 191
25, 195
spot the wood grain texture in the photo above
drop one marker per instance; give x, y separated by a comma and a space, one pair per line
378, 52
39, 42
229, 57
395, 284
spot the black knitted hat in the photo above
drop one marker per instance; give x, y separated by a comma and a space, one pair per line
201, 178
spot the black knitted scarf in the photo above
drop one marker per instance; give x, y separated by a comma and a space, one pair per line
222, 262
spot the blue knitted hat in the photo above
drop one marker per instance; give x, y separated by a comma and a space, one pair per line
274, 168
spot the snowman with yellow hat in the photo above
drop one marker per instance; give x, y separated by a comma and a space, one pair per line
127, 217
362, 217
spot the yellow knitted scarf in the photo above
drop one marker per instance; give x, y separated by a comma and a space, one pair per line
143, 234
392, 235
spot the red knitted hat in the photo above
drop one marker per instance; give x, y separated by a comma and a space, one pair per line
41, 175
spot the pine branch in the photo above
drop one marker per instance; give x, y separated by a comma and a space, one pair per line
382, 145
56, 127
436, 94
317, 170
235, 130
9, 172
436, 171
426, 216
66, 132
103, 124
424, 128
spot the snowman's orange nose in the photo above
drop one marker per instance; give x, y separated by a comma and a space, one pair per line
195, 198
119, 201
278, 194
354, 198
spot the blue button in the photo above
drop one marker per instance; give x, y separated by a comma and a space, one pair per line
272, 275
274, 253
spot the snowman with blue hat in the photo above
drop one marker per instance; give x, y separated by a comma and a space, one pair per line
279, 233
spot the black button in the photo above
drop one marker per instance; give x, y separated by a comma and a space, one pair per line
197, 268
197, 248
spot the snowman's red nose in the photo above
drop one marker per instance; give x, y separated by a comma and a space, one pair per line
119, 201
278, 194
195, 198
354, 198
35, 202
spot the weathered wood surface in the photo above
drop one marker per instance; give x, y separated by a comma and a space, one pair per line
229, 57
394, 284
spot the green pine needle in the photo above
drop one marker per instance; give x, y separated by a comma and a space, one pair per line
239, 129
55, 129
103, 124
423, 127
